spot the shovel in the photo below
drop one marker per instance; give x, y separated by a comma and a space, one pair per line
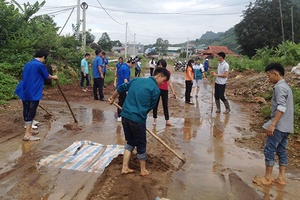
48, 115
158, 138
75, 120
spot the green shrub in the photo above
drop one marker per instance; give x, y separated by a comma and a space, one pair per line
109, 77
266, 112
7, 87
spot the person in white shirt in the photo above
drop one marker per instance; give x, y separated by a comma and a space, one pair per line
152, 65
220, 82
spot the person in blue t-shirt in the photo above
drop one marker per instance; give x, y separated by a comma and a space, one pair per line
143, 94
98, 76
30, 90
118, 65
105, 62
123, 77
206, 65
85, 72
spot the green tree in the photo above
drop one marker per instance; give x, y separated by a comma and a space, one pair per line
10, 22
29, 10
162, 45
105, 43
261, 25
116, 43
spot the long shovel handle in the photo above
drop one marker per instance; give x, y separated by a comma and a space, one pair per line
44, 110
75, 120
158, 138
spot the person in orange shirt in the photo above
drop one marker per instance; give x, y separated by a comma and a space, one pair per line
189, 77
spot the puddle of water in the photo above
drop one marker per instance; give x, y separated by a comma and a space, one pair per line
215, 167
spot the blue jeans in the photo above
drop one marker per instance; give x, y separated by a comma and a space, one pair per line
135, 135
276, 144
29, 111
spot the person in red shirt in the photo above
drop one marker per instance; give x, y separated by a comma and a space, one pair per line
164, 90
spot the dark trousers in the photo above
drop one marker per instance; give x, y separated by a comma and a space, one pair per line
135, 134
151, 71
86, 78
219, 92
137, 73
98, 87
122, 98
188, 89
29, 110
164, 98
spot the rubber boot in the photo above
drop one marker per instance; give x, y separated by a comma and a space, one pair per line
218, 106
226, 103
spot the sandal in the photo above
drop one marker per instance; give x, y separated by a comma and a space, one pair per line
31, 138
34, 132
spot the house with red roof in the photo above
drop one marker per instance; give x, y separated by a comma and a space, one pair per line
212, 51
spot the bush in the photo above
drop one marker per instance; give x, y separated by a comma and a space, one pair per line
7, 87
266, 112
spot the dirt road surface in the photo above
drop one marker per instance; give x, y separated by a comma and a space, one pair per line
215, 167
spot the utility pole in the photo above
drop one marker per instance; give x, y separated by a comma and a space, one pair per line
126, 42
281, 18
78, 20
292, 17
84, 7
134, 45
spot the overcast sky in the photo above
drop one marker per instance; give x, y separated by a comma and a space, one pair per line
172, 20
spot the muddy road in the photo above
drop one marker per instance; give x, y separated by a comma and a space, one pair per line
215, 167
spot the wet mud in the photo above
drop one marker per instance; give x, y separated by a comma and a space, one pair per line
215, 167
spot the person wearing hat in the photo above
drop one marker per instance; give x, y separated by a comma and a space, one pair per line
206, 65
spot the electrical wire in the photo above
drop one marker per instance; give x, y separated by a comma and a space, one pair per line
66, 21
129, 30
175, 13
57, 12
109, 14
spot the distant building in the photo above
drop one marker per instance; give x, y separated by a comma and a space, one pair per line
174, 51
212, 51
139, 49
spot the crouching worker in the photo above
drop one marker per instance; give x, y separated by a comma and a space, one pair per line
142, 96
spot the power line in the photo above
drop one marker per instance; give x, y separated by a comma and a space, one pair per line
66, 21
108, 13
57, 12
129, 30
175, 13
217, 7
